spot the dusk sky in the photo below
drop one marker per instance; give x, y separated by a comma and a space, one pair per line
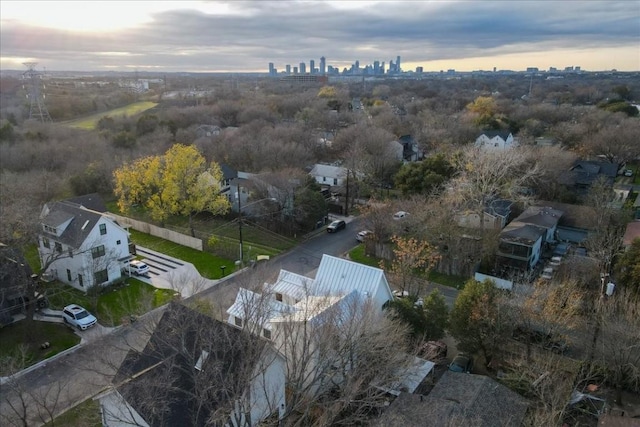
244, 36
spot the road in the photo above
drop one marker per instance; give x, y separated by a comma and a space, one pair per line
76, 376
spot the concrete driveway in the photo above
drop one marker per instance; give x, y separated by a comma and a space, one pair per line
166, 272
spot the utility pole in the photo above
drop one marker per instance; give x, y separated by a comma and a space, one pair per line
240, 223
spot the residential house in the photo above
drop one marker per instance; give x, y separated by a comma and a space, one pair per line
207, 131
631, 233
583, 173
196, 371
496, 140
523, 239
335, 279
411, 152
576, 222
334, 176
495, 215
458, 399
14, 275
81, 247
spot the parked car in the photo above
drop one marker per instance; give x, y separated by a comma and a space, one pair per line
361, 236
336, 226
628, 172
461, 363
78, 317
400, 215
138, 268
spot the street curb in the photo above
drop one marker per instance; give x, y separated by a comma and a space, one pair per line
42, 363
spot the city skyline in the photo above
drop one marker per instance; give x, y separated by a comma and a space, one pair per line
214, 36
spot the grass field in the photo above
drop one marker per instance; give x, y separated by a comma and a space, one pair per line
89, 123
21, 335
86, 414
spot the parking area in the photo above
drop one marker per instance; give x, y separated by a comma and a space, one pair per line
171, 273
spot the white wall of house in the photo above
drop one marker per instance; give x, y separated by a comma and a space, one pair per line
267, 390
77, 266
329, 175
536, 252
495, 143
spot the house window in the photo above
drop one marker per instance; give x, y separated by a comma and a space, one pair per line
335, 181
117, 242
50, 229
266, 333
45, 243
58, 247
97, 252
101, 276
324, 179
70, 252
103, 229
80, 280
278, 297
68, 274
238, 322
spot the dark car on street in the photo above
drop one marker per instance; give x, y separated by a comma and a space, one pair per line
336, 225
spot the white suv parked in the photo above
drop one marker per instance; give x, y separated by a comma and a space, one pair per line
77, 316
138, 268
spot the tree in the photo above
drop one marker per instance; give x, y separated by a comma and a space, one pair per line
478, 321
427, 319
176, 183
628, 268
411, 257
425, 176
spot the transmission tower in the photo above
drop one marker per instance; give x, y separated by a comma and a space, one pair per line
37, 109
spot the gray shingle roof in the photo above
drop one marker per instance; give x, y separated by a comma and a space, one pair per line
82, 222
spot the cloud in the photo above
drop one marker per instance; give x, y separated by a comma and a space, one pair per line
245, 36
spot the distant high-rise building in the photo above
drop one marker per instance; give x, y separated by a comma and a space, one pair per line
357, 66
323, 65
392, 67
312, 66
272, 70
288, 68
419, 70
295, 70
382, 68
398, 69
303, 68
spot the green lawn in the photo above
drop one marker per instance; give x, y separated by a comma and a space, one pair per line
207, 264
20, 335
86, 414
357, 254
89, 123
134, 299
116, 304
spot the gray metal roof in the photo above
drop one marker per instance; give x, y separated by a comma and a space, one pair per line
292, 284
337, 276
328, 171
257, 308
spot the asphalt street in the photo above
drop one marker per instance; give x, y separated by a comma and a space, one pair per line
87, 371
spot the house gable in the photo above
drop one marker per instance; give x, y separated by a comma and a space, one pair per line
188, 348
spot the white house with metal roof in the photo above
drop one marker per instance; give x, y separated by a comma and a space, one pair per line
329, 175
81, 247
291, 294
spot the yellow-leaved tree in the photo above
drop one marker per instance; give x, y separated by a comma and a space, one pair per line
180, 182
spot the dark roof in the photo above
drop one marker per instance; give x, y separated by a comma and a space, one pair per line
499, 207
458, 399
82, 222
91, 201
576, 216
584, 172
166, 369
525, 234
504, 134
228, 172
543, 216
14, 271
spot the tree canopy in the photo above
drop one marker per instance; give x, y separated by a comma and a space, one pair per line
179, 182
